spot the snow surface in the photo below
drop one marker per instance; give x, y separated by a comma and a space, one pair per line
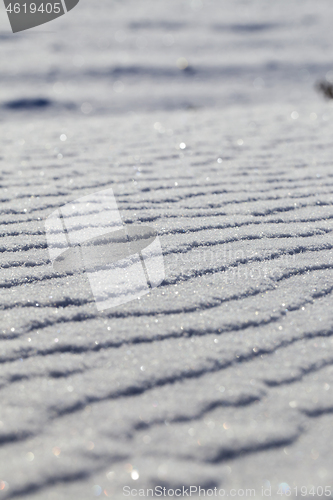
223, 375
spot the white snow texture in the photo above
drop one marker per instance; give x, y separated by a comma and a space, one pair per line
203, 118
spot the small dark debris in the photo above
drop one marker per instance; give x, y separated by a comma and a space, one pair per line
325, 88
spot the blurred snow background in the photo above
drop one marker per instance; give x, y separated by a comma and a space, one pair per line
147, 55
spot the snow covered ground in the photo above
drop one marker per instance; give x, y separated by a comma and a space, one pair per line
223, 376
